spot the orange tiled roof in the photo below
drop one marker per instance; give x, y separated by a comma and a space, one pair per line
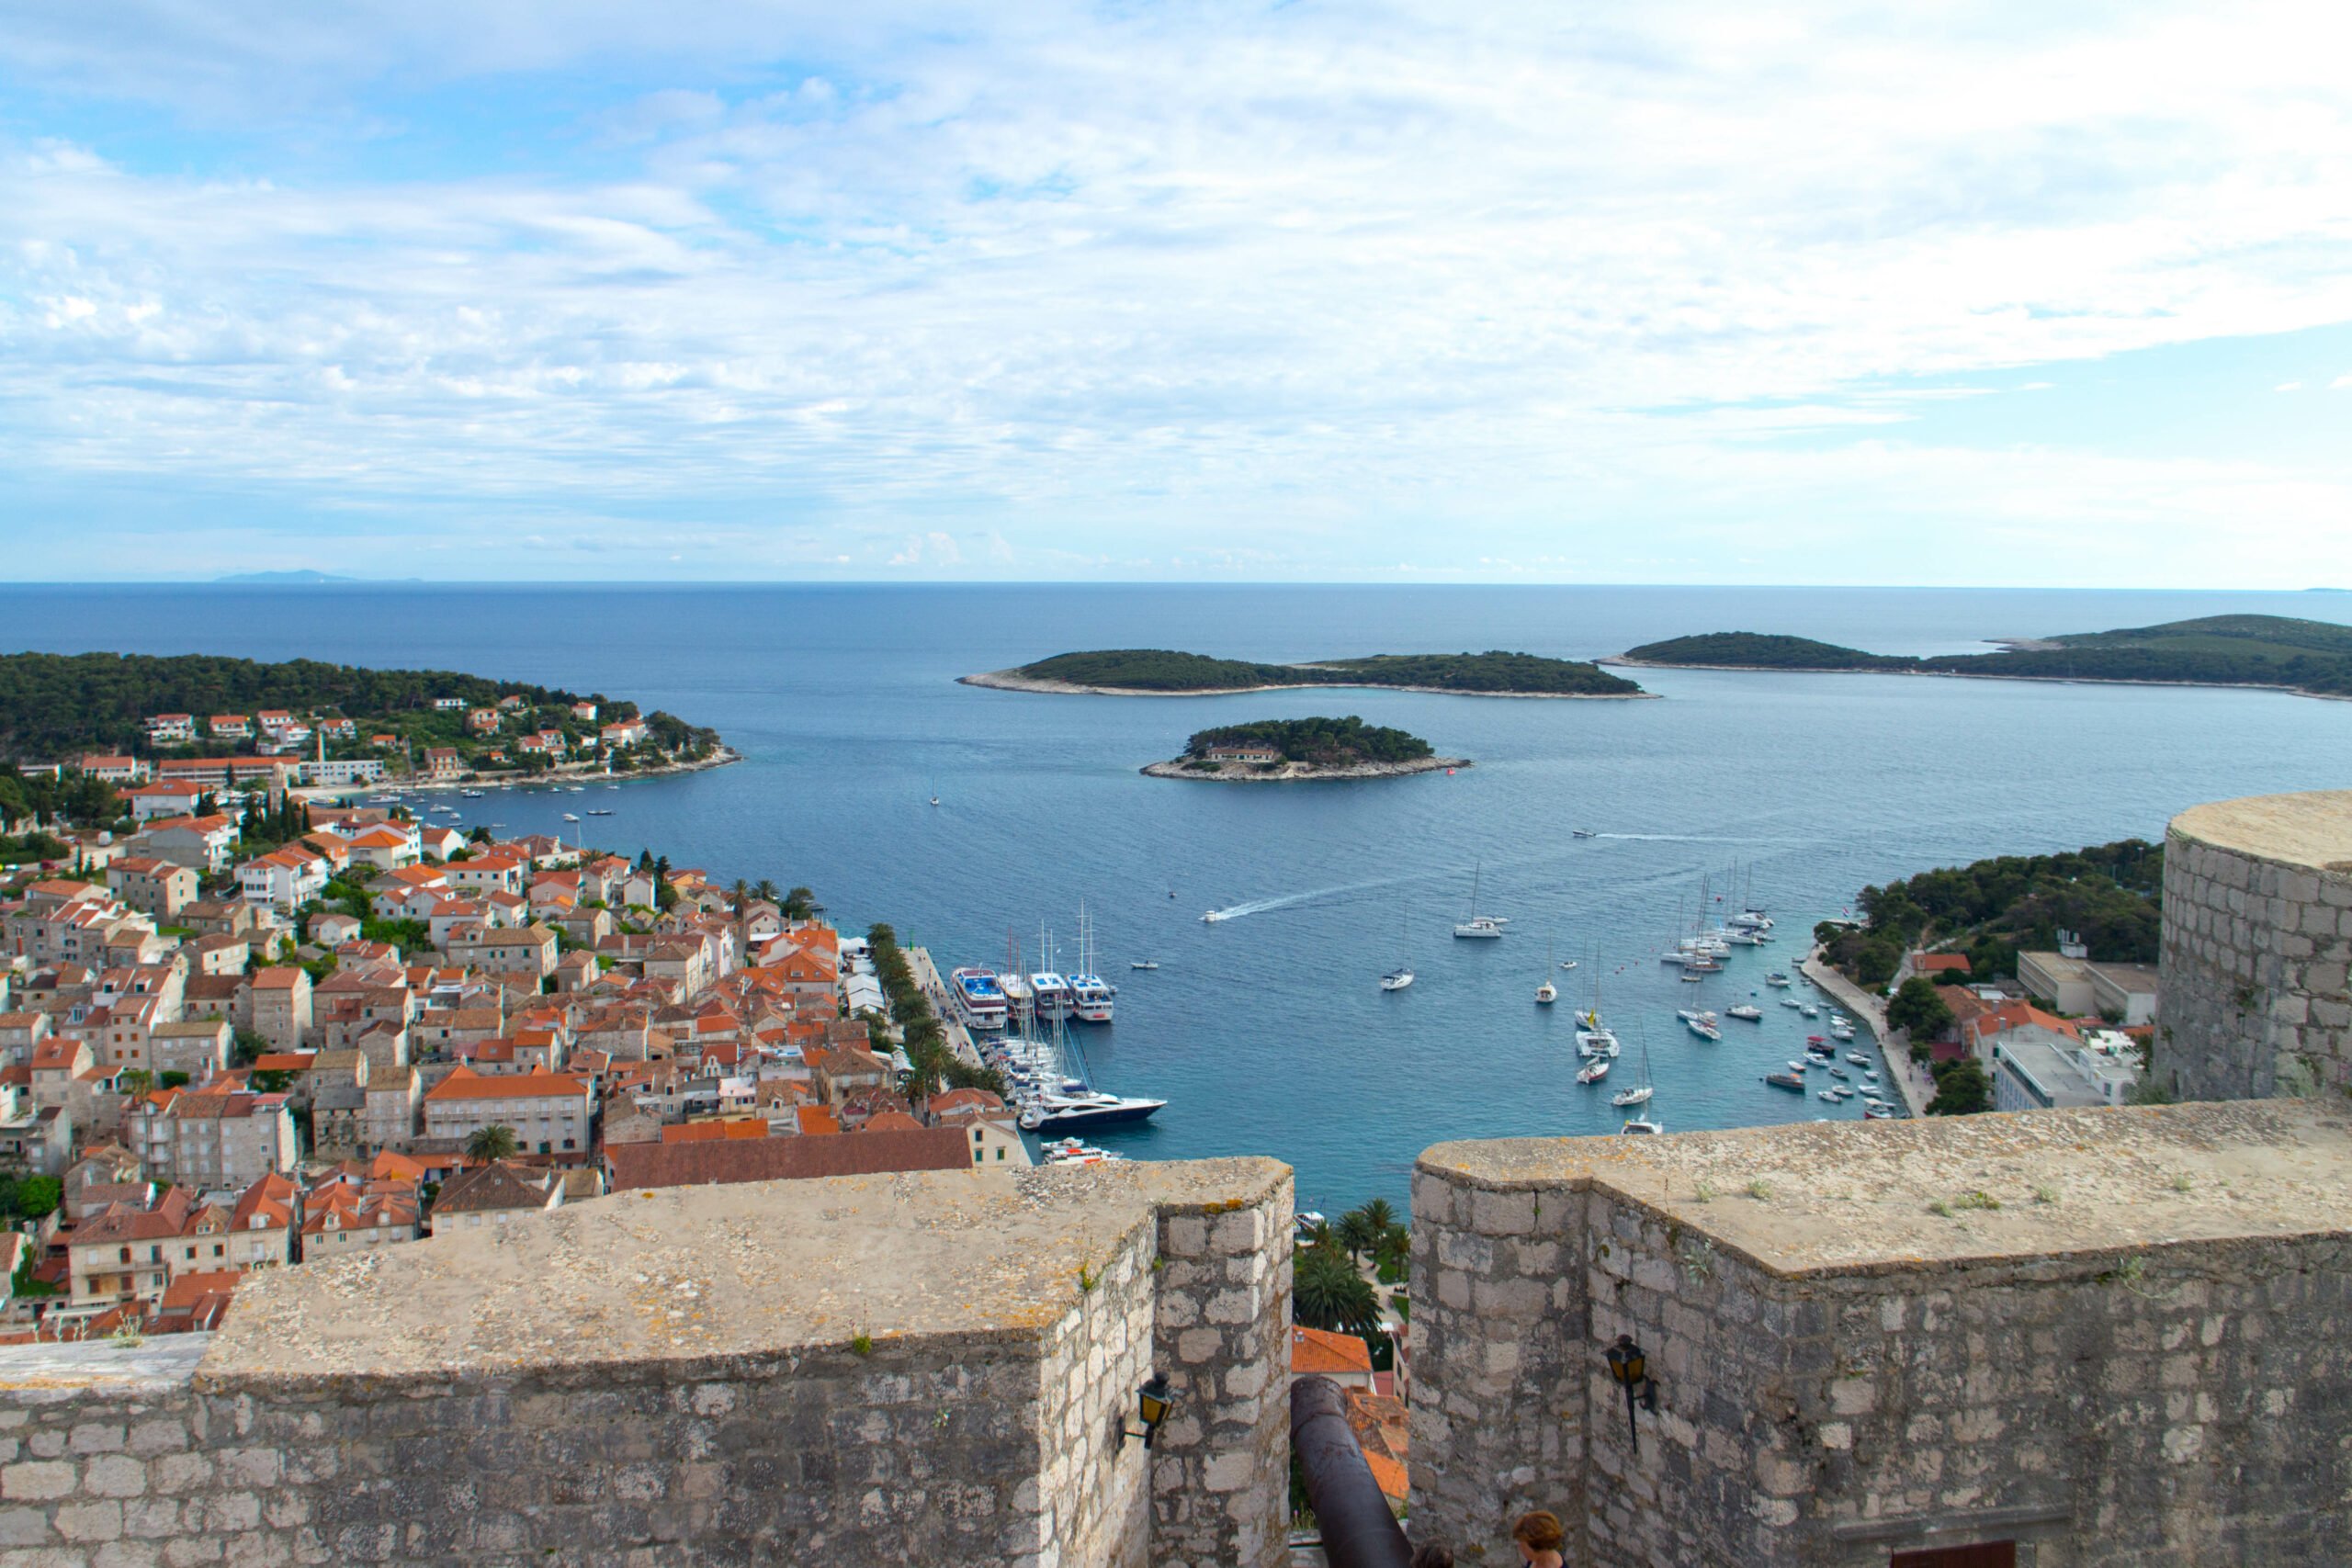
1319, 1350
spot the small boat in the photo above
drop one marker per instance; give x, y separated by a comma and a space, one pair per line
1586, 833
1708, 1032
1593, 1071
934, 800
1212, 917
1786, 1080
571, 816
1797, 1066
1808, 1010
1568, 963
1484, 927
1872, 1113
1829, 1095
1637, 1094
1776, 978
1640, 1124
1859, 1058
1815, 1041
1397, 979
1840, 1073
1547, 993
1748, 1011
1144, 964
1790, 1002
600, 811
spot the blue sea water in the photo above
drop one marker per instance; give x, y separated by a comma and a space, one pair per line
1266, 1032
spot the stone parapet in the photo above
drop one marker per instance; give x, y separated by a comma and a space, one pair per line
2111, 1336
925, 1368
2257, 965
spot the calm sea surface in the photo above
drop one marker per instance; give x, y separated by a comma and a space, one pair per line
1266, 1032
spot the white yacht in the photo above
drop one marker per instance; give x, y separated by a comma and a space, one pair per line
1748, 1011
1212, 917
1478, 925
1596, 1044
1637, 1094
1593, 1071
1397, 979
1640, 1125
1089, 996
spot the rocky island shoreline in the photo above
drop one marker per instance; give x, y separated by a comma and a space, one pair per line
1296, 773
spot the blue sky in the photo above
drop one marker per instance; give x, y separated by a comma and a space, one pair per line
1695, 292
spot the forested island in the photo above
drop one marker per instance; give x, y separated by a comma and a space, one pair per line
1156, 671
2310, 657
56, 706
1282, 749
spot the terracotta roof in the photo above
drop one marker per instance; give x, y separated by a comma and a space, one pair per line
278, 978
1319, 1350
890, 1121
496, 1186
1938, 963
467, 1084
776, 1160
716, 1132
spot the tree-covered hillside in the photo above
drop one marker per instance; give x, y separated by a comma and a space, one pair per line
2219, 651
1162, 669
1324, 743
2109, 894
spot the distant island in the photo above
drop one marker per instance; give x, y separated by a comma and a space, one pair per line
1160, 672
1287, 750
2313, 658
384, 723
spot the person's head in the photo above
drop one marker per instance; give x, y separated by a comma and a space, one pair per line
1536, 1534
1431, 1554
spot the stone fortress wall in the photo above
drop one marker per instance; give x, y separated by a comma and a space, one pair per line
2257, 968
2112, 1336
928, 1368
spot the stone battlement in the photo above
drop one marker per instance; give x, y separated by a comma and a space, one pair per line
2108, 1335
928, 1368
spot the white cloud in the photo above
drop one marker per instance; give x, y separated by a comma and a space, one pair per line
1256, 290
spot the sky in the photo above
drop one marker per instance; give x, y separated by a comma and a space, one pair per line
905, 289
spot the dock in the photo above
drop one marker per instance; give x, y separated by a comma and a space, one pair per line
1872, 1009
934, 987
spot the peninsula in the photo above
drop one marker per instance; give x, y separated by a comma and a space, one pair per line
2313, 658
1280, 751
128, 716
1160, 672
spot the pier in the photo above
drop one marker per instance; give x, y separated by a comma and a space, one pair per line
934, 987
1918, 1089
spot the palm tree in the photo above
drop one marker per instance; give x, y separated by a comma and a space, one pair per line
492, 1142
1327, 1293
1356, 1233
764, 890
924, 1071
1379, 1215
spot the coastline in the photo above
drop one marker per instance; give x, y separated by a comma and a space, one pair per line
1872, 1010
719, 758
1299, 773
1013, 681
1621, 661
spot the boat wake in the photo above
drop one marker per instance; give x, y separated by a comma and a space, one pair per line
1260, 905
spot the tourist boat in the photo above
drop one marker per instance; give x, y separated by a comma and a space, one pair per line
1636, 1126
1090, 997
1748, 1011
1593, 1071
1050, 993
1477, 925
1776, 978
1786, 1080
1143, 964
979, 1000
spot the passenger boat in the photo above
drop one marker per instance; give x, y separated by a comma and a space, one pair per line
979, 1000
1051, 994
1090, 997
1786, 1080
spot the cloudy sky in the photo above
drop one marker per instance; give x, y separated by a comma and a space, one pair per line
902, 288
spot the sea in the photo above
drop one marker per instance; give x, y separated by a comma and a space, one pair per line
1266, 1031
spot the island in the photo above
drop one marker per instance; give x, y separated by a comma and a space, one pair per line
1160, 672
130, 716
1284, 751
2312, 658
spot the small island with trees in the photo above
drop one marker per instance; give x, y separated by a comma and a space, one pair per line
1280, 750
2312, 658
1161, 672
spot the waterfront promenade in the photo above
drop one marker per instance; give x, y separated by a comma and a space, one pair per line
1916, 1086
927, 976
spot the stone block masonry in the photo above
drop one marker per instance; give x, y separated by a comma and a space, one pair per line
928, 1368
2256, 966
2111, 1337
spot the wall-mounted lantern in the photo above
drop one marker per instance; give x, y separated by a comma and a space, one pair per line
1629, 1364
1154, 1400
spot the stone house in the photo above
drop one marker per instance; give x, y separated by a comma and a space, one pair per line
153, 885
549, 1114
280, 999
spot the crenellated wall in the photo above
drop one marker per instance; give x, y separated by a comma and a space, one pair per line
2257, 965
2112, 1336
930, 1368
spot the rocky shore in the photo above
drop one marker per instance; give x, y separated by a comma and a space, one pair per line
1296, 773
1014, 681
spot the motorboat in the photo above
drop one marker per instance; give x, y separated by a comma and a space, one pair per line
1143, 964
1690, 1015
1583, 833
571, 816
600, 811
1748, 1011
1092, 1108
1397, 979
1860, 1058
1212, 917
1786, 1080
1808, 1010
1568, 963
1798, 1066
1840, 1073
1829, 1095
1593, 1071
1636, 1126
1790, 1002
1776, 978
